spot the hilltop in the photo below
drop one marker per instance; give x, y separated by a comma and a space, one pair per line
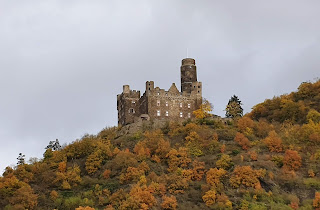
267, 159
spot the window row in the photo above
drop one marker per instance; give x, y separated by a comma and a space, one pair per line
167, 114
167, 104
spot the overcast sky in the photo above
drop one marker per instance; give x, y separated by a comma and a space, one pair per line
62, 63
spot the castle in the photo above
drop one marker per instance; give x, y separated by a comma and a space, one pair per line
160, 104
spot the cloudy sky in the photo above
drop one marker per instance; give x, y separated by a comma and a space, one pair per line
63, 62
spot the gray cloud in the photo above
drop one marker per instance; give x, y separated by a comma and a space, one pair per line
63, 62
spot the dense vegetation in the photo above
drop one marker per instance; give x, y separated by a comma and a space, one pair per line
268, 159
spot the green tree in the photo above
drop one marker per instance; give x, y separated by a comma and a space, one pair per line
21, 159
234, 108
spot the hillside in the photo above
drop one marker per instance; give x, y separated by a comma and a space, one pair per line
268, 159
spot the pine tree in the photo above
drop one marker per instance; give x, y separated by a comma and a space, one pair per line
21, 159
54, 145
234, 108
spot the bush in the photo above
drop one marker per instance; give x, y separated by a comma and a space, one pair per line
313, 183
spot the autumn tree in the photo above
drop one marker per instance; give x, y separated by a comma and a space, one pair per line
169, 202
242, 141
214, 176
204, 110
273, 142
246, 176
292, 160
313, 115
234, 109
245, 125
209, 197
178, 158
316, 201
224, 162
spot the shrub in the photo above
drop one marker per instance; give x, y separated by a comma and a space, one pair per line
292, 160
242, 141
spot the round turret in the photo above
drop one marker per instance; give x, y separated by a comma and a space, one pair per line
188, 61
188, 74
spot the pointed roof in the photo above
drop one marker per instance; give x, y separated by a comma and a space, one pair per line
173, 89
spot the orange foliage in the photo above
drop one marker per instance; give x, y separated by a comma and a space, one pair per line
294, 205
198, 170
253, 155
169, 202
245, 123
178, 158
223, 148
84, 208
292, 160
54, 195
246, 176
106, 174
273, 142
242, 141
62, 167
143, 196
214, 175
316, 201
141, 151
311, 173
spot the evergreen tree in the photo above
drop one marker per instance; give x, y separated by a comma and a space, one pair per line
21, 159
234, 108
54, 145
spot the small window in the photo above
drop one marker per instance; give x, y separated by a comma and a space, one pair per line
198, 86
166, 94
149, 89
131, 111
189, 106
158, 113
181, 114
158, 94
198, 91
167, 113
194, 87
189, 115
180, 105
158, 103
133, 102
167, 104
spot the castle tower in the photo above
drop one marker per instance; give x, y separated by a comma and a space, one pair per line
188, 74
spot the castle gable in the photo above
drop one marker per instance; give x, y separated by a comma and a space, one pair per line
174, 90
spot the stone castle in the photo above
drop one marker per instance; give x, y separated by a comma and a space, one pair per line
160, 104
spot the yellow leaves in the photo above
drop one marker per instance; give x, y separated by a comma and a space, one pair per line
214, 175
224, 162
178, 158
246, 176
68, 179
204, 110
210, 197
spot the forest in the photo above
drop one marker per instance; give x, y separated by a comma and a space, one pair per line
266, 159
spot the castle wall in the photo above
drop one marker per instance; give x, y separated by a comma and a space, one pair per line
160, 104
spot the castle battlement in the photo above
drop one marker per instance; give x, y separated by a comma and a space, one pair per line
157, 103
